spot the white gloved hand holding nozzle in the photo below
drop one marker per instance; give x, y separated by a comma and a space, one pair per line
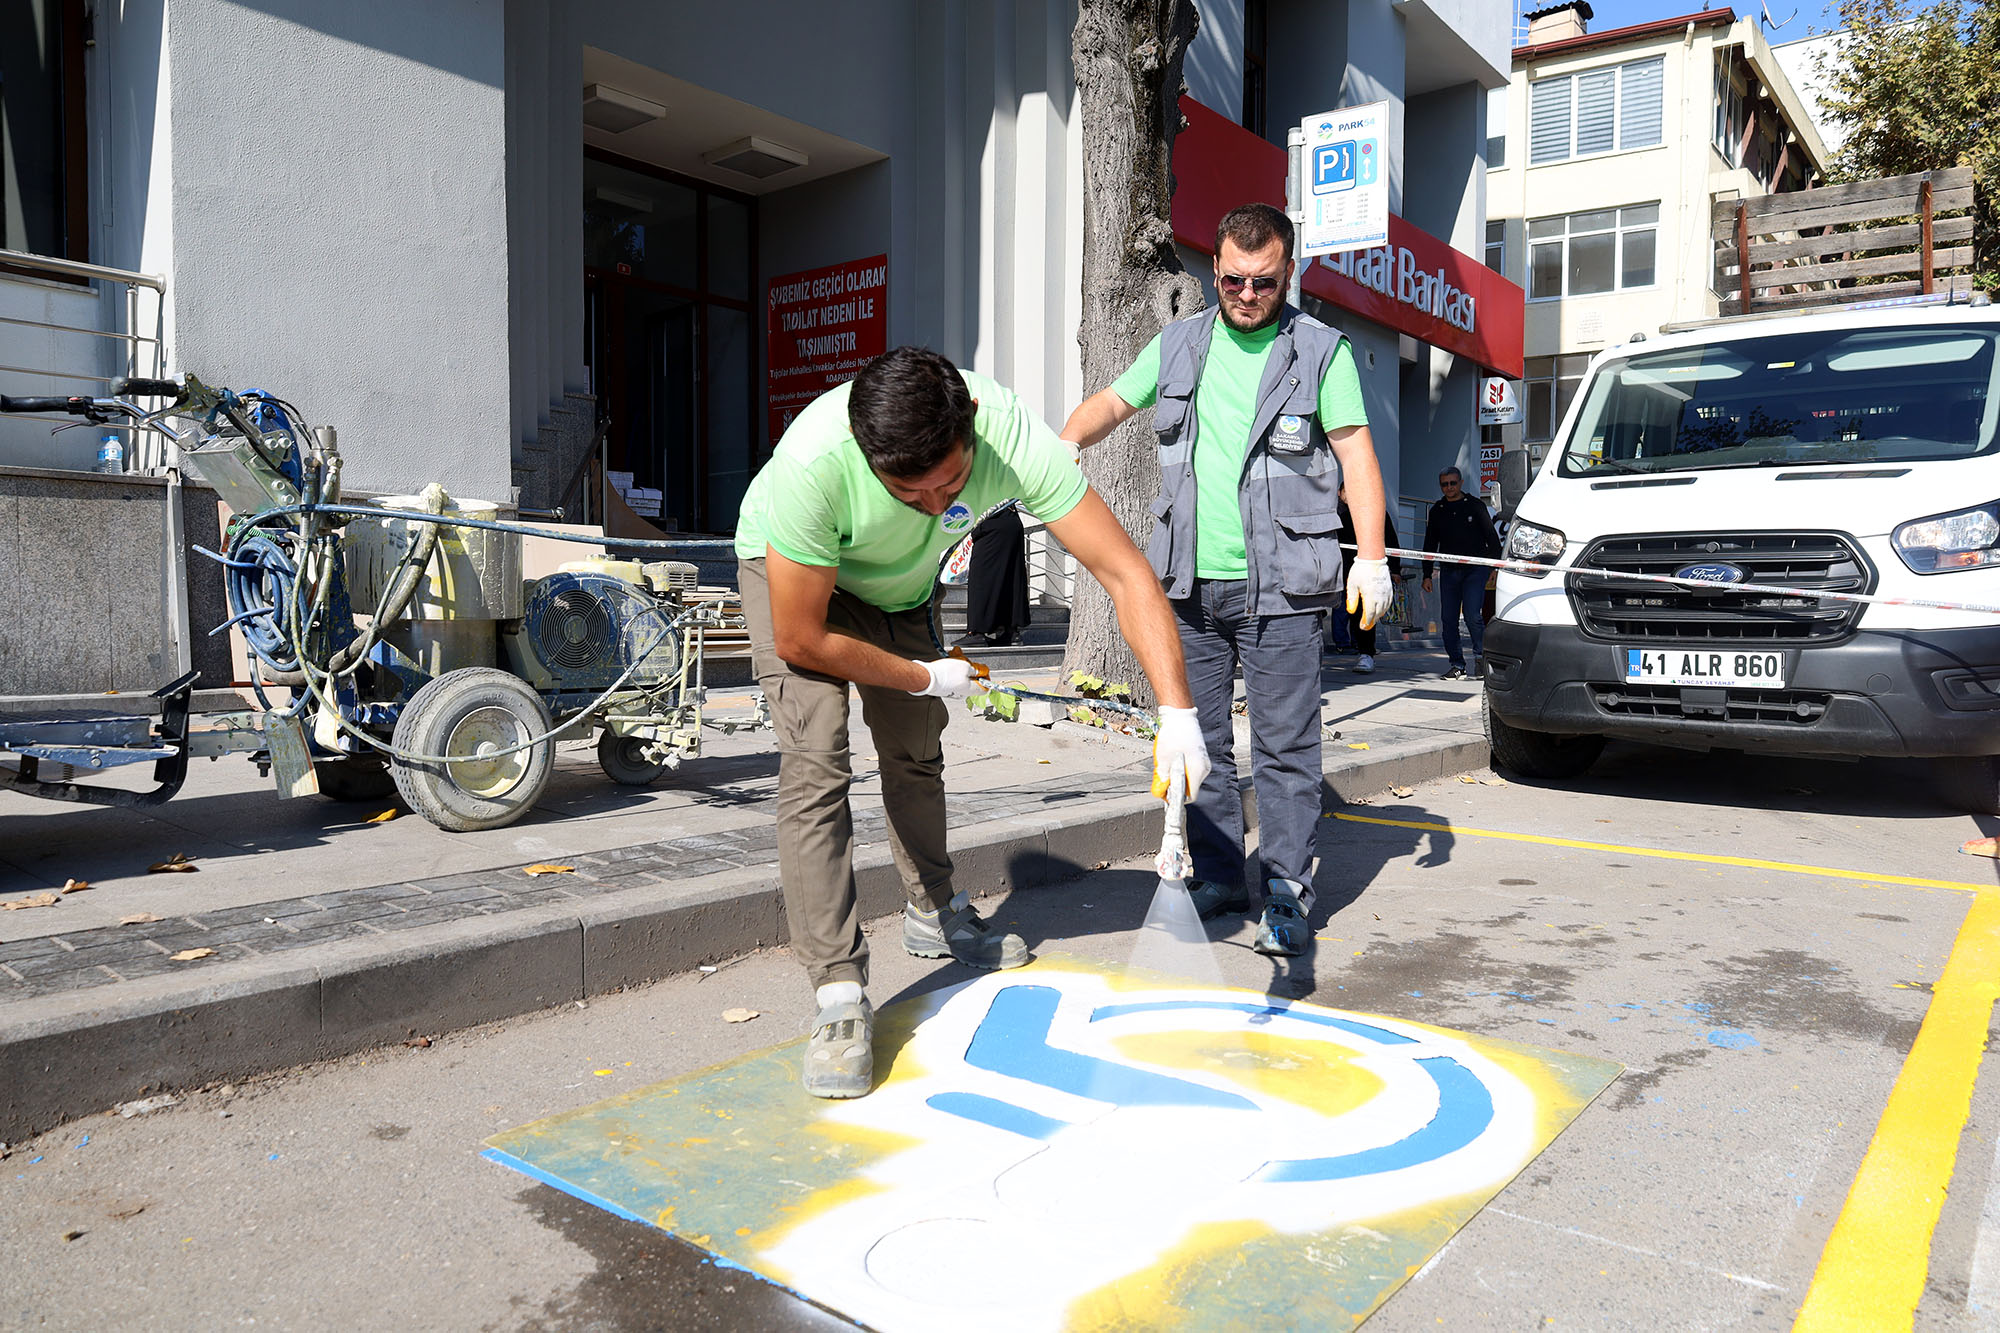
952, 678
1177, 745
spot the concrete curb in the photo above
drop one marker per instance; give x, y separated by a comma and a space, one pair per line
72, 1054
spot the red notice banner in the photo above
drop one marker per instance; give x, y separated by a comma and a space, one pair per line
1416, 284
823, 325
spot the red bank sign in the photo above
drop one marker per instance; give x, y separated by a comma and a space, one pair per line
1415, 284
823, 325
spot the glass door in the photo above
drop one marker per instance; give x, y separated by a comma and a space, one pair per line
670, 343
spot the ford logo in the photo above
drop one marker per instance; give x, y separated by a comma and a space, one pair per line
1711, 573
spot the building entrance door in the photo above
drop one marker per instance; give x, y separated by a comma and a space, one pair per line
667, 281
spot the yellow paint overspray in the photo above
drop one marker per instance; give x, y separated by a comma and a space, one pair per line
1328, 1081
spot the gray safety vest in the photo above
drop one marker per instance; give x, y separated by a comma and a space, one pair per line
1290, 489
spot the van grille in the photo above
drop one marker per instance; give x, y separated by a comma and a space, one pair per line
1775, 707
1635, 612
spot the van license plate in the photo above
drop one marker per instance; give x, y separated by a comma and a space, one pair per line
1691, 666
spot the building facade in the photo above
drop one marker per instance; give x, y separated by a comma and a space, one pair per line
1605, 153
493, 240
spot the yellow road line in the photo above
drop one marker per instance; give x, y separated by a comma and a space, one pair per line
1872, 1273
1788, 867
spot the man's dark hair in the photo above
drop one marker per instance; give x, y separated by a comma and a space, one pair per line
1254, 226
1444, 472
909, 410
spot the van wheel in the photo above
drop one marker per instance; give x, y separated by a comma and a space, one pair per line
473, 718
1536, 754
1970, 783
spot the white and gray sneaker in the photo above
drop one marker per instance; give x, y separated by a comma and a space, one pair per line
840, 1056
1365, 666
963, 934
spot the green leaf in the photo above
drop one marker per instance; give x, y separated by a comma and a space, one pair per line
1005, 705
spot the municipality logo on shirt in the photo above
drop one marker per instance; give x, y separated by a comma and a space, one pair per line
1290, 425
956, 519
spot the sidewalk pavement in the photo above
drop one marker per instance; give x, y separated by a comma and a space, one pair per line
327, 932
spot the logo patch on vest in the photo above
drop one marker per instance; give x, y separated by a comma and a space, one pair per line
1291, 435
956, 520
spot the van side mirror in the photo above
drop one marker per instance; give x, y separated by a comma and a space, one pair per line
1515, 474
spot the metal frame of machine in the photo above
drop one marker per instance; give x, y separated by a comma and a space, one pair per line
452, 685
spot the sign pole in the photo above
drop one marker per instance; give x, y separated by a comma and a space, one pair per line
1295, 147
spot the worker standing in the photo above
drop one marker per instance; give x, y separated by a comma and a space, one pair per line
1260, 419
837, 548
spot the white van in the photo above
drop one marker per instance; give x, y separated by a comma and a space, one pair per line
1853, 450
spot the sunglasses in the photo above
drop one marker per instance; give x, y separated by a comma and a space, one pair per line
1447, 483
1236, 282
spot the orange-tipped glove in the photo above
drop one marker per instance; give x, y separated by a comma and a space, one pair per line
1178, 744
1369, 590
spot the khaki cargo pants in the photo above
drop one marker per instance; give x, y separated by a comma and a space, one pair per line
815, 825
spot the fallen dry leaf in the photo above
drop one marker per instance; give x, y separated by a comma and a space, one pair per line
129, 1211
189, 955
74, 886
1982, 847
738, 1015
1404, 791
548, 870
1492, 782
1357, 745
1468, 779
35, 900
137, 919
382, 818
72, 1235
420, 1043
179, 861
127, 1110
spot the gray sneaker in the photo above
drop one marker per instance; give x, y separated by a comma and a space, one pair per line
1212, 899
964, 935
840, 1056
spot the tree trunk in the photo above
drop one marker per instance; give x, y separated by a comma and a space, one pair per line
1128, 56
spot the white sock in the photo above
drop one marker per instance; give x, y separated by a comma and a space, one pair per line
838, 992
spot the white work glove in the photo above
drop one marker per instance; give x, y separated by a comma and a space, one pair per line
1178, 744
1369, 590
951, 678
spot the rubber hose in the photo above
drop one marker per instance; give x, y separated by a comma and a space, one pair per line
396, 597
268, 586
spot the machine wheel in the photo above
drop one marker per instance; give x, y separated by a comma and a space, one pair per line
1970, 783
623, 759
354, 779
1536, 754
468, 714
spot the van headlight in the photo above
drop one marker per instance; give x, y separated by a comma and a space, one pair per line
1534, 545
1967, 539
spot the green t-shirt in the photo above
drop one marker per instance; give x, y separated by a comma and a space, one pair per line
818, 502
1225, 409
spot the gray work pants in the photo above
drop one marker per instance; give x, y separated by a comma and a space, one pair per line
815, 824
1280, 657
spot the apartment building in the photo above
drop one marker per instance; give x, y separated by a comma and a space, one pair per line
1604, 154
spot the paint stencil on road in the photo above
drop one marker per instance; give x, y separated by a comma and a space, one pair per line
1071, 1146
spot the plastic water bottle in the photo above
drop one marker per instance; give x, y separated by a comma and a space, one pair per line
111, 455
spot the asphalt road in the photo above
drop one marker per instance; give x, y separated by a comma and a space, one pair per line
1764, 1012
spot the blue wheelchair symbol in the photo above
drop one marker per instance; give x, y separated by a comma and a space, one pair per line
1013, 1040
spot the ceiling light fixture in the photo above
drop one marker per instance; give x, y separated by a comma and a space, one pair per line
757, 158
615, 111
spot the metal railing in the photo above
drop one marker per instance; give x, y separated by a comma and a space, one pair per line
145, 353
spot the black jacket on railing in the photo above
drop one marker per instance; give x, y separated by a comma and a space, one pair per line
1347, 539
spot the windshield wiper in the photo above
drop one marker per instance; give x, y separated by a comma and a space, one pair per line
1616, 465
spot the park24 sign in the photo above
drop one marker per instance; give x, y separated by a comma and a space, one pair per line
1346, 196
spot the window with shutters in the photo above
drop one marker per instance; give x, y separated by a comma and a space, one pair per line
1496, 246
1596, 111
1496, 127
1584, 254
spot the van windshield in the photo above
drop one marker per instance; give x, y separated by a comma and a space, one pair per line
1833, 396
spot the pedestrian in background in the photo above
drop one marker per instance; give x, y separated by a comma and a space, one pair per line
1460, 524
1260, 418
996, 591
1363, 636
